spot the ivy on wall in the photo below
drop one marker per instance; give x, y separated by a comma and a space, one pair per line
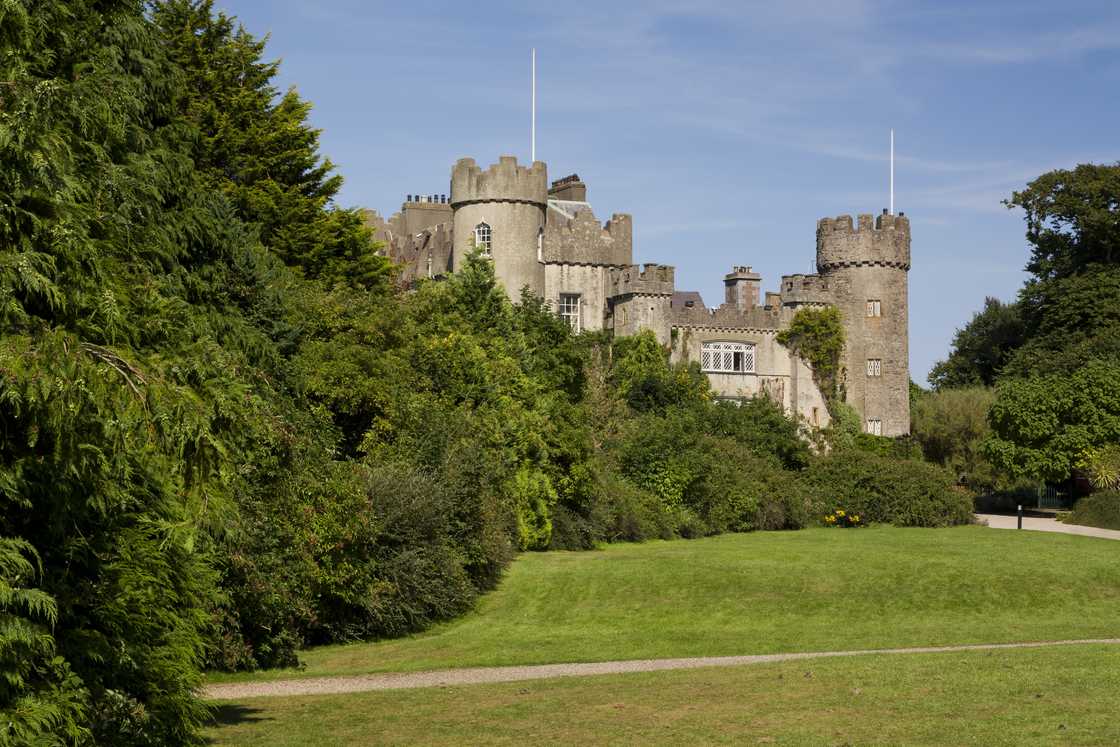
817, 336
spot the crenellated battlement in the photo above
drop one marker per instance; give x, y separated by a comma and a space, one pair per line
755, 318
803, 290
504, 181
546, 237
882, 240
577, 237
649, 280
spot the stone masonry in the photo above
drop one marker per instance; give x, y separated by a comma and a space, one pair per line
546, 238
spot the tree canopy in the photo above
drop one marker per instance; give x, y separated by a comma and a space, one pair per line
981, 348
1073, 219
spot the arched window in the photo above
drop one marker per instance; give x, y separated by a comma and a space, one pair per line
482, 238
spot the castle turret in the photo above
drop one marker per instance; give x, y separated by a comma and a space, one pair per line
641, 299
866, 270
502, 211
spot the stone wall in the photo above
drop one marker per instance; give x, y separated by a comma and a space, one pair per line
641, 299
591, 282
780, 375
426, 254
423, 212
864, 263
805, 290
573, 234
511, 199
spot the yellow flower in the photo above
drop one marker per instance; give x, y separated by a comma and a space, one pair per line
839, 512
830, 519
855, 518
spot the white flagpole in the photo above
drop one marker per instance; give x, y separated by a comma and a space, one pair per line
533, 125
892, 171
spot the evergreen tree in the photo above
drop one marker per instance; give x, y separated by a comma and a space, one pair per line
257, 147
140, 384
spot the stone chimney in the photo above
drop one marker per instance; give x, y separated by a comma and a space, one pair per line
569, 188
742, 286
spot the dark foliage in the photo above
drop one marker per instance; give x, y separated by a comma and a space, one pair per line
1097, 510
981, 348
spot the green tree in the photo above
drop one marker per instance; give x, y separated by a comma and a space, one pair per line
1052, 411
1073, 219
981, 348
41, 701
1045, 426
951, 426
648, 382
1069, 320
257, 147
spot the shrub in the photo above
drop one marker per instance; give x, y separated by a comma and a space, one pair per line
646, 380
534, 497
1097, 510
882, 489
713, 483
739, 491
761, 425
950, 425
609, 508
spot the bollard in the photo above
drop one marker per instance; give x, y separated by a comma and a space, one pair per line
1020, 517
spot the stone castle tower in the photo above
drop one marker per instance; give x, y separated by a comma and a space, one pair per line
502, 211
547, 238
866, 268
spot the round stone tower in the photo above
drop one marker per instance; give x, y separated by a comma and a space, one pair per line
867, 268
501, 210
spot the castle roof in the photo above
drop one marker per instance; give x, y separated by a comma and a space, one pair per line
681, 299
568, 208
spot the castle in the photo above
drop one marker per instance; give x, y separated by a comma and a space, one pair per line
547, 238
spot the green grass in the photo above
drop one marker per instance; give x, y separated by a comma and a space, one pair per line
818, 589
1068, 695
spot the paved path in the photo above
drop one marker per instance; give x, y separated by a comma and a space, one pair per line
997, 521
446, 677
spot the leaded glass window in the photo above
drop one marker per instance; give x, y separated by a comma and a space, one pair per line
727, 357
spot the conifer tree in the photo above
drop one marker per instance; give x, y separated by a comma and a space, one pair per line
137, 380
257, 147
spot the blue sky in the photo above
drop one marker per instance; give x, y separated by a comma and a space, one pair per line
727, 128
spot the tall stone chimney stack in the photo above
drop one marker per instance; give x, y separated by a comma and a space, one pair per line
742, 288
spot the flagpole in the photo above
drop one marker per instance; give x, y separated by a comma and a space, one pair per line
533, 105
892, 171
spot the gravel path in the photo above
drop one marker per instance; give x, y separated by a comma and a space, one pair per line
481, 675
998, 521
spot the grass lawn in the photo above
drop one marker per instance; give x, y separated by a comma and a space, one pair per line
1068, 695
766, 592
